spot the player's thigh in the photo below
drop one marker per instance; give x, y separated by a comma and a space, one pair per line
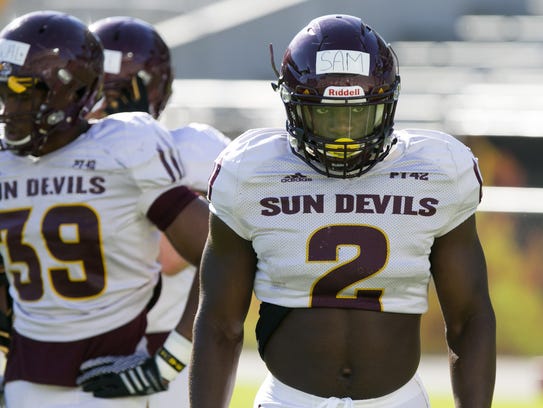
24, 394
177, 395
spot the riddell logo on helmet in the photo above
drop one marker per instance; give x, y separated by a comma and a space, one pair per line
344, 91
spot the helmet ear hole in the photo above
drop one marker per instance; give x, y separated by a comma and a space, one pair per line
41, 86
80, 93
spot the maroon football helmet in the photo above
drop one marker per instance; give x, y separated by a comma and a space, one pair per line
339, 83
51, 70
141, 53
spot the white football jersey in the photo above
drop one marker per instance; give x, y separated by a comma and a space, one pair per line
78, 247
198, 145
361, 242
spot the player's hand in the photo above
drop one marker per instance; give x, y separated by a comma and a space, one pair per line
121, 376
131, 99
137, 374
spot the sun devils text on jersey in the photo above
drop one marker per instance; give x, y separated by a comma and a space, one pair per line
312, 254
89, 249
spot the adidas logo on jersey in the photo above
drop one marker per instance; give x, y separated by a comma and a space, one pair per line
295, 177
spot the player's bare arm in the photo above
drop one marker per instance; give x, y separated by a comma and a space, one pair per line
459, 273
170, 259
172, 263
227, 273
188, 230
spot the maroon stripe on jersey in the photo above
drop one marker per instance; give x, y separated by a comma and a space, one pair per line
166, 207
176, 165
479, 179
166, 165
214, 174
57, 363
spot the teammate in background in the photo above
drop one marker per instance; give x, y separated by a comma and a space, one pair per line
138, 76
81, 215
338, 223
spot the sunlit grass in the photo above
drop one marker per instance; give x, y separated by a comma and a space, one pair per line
244, 394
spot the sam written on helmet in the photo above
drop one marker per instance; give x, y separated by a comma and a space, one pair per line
339, 82
51, 71
134, 49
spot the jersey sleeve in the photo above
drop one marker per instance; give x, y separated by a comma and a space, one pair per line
466, 179
151, 159
225, 191
198, 145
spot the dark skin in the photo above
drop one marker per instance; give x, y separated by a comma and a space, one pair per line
25, 102
187, 235
373, 353
360, 354
459, 273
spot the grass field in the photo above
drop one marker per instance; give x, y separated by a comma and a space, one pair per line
244, 395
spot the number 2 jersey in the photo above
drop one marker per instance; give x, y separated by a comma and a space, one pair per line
361, 242
76, 236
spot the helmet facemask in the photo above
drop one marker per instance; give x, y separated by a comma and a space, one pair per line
21, 103
39, 109
340, 137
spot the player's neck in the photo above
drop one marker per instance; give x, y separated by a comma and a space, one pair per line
60, 138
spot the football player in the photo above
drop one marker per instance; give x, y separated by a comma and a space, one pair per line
83, 205
138, 77
338, 223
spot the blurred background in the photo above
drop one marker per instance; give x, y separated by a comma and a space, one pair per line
472, 68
